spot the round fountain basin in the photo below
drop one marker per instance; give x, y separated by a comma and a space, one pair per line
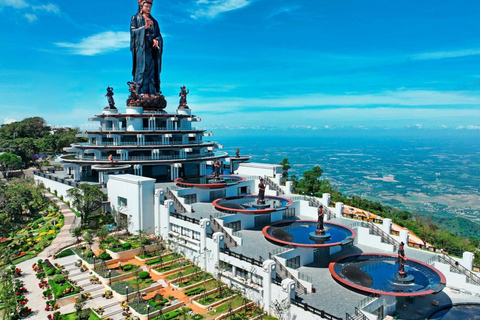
378, 273
248, 204
297, 233
209, 182
457, 311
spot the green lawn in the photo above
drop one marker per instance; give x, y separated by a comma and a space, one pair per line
195, 279
183, 272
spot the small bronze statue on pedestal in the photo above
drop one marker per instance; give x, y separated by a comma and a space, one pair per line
261, 192
401, 261
183, 97
216, 170
109, 95
320, 229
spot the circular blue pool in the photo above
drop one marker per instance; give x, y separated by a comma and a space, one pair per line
377, 273
248, 204
297, 233
455, 312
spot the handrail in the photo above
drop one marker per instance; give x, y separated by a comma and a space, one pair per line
456, 267
314, 202
323, 314
283, 272
229, 241
274, 186
54, 178
242, 257
179, 207
359, 312
424, 247
363, 218
185, 218
367, 300
386, 238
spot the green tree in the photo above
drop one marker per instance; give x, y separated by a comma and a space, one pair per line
285, 167
87, 237
77, 232
102, 233
9, 161
86, 199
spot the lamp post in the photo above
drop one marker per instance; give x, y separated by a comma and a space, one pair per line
126, 288
148, 312
109, 277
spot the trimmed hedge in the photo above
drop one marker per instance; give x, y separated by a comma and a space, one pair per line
127, 246
105, 256
143, 275
65, 253
128, 267
194, 291
154, 261
172, 314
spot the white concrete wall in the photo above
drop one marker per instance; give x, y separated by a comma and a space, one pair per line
203, 195
365, 238
139, 192
455, 280
54, 185
259, 169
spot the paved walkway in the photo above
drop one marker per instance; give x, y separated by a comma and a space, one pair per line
35, 294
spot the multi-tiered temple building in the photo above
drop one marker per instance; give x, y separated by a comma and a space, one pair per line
150, 143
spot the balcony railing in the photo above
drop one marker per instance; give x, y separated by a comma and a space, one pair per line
147, 143
141, 158
111, 129
323, 314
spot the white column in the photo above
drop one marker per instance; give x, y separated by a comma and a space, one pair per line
165, 210
467, 260
387, 225
204, 227
289, 187
159, 198
268, 272
218, 239
326, 199
404, 236
288, 288
339, 209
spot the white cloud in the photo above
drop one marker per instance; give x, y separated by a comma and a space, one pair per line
52, 8
23, 5
445, 54
400, 98
469, 127
17, 4
281, 10
31, 17
98, 44
8, 120
209, 9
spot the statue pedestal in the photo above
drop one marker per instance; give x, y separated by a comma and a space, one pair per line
319, 237
261, 205
404, 279
214, 181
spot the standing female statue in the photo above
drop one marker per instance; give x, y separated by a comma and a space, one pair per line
146, 44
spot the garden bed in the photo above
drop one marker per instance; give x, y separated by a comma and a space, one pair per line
191, 280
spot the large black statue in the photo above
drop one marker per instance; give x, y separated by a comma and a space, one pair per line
146, 44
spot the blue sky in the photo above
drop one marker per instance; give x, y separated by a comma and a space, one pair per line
300, 66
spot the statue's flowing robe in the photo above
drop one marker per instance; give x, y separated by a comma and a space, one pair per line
147, 60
